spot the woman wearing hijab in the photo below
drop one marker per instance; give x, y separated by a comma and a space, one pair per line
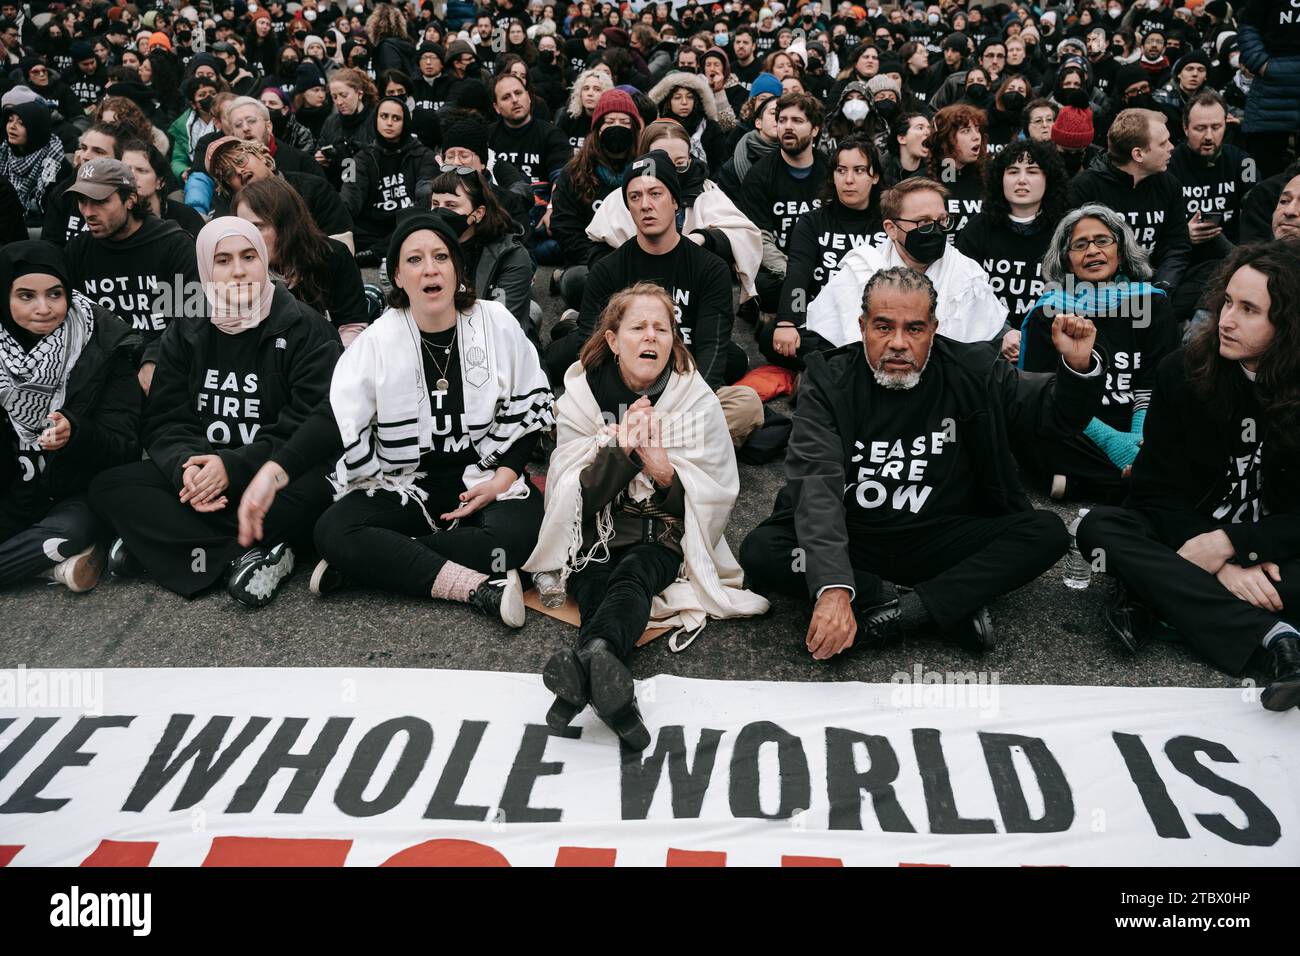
434, 410
384, 178
31, 156
227, 392
69, 408
642, 483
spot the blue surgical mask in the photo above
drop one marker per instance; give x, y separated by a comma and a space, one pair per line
721, 39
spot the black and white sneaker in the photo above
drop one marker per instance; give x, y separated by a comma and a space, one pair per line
325, 579
121, 563
257, 574
501, 597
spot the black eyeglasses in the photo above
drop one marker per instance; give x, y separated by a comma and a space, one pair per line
927, 226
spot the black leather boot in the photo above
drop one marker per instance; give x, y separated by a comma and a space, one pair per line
565, 675
613, 694
1283, 691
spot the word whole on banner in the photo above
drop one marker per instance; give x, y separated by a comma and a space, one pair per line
333, 767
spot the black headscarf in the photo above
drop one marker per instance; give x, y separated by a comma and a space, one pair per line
406, 125
24, 258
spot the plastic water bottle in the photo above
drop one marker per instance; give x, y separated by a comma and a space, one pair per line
1078, 571
549, 588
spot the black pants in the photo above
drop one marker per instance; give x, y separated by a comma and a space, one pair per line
1221, 627
1083, 463
1271, 152
808, 342
31, 544
186, 551
379, 542
572, 286
768, 286
956, 563
614, 596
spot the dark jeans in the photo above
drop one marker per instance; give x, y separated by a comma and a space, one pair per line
186, 551
1083, 463
1221, 627
378, 542
614, 596
956, 563
32, 544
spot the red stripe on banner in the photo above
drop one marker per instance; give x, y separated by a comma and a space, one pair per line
925, 864
7, 853
811, 861
274, 851
585, 856
447, 853
696, 858
120, 853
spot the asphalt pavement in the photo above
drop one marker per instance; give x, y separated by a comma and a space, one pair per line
1048, 634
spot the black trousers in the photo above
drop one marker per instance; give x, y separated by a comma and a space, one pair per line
31, 544
614, 596
1271, 152
572, 286
808, 342
1219, 626
956, 563
1076, 457
768, 286
186, 551
379, 542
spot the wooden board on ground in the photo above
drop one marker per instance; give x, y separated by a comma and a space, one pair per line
568, 613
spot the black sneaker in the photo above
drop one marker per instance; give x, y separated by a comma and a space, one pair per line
502, 598
976, 633
325, 579
257, 574
121, 563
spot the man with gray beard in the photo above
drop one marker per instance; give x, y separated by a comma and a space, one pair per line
900, 473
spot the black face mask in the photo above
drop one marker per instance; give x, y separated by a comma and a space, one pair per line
977, 93
546, 57
1013, 102
458, 222
1142, 101
887, 109
279, 122
205, 104
616, 140
925, 248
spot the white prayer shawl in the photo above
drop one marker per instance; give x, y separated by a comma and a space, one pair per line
968, 308
612, 224
694, 432
381, 400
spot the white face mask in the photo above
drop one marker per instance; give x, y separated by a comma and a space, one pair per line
310, 15
932, 19
1115, 12
1153, 4
855, 111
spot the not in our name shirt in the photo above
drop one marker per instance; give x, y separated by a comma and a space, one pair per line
1012, 257
537, 148
1216, 185
907, 466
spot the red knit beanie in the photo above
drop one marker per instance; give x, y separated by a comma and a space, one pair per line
1073, 128
615, 101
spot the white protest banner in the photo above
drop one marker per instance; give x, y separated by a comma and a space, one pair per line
363, 767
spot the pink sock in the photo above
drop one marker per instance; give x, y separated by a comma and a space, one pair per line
455, 582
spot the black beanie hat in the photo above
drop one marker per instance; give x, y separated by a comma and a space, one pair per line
415, 219
657, 165
466, 131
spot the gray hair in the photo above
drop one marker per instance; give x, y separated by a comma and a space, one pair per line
1134, 261
241, 101
903, 279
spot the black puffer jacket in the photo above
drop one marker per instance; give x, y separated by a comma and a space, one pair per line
102, 405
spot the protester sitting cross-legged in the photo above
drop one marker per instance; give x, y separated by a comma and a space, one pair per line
900, 467
227, 393
698, 282
1209, 539
640, 491
71, 403
434, 410
1094, 267
916, 221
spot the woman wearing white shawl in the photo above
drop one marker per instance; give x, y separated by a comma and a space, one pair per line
435, 409
711, 218
640, 487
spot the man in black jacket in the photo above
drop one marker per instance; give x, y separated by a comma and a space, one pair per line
1134, 181
1209, 540
900, 464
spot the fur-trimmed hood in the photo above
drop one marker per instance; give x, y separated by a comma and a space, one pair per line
574, 109
660, 92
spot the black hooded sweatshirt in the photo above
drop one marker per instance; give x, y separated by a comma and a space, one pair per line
1214, 185
1154, 208
385, 180
146, 279
820, 241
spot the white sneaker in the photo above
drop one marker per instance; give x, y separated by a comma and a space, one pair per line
81, 571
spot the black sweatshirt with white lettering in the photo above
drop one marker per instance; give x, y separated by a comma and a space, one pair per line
820, 241
144, 280
774, 199
1011, 254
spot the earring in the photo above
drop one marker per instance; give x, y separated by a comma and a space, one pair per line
461, 288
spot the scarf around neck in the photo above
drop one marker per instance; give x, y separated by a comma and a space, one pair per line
34, 383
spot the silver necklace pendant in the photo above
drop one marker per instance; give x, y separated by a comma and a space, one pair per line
442, 385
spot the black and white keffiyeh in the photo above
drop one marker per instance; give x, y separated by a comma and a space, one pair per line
35, 383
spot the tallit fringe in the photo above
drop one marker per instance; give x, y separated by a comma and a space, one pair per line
404, 486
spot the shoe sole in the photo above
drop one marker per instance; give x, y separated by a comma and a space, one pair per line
564, 678
513, 609
267, 579
315, 585
84, 572
1281, 695
613, 696
1058, 487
